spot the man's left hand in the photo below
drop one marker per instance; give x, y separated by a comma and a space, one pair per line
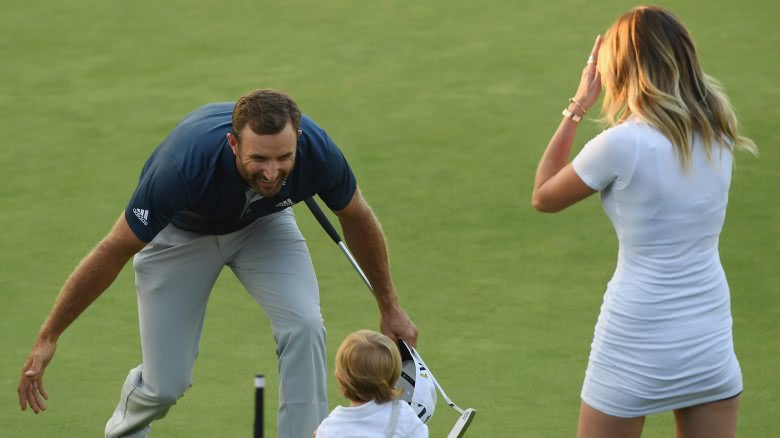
395, 324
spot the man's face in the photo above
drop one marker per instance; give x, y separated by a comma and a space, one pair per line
264, 161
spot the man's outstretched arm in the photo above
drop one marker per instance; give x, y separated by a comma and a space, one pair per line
363, 235
90, 278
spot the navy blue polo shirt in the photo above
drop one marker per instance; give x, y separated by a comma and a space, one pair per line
191, 179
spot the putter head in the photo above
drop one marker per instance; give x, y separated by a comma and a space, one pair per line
459, 430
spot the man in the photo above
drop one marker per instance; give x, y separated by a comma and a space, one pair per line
217, 192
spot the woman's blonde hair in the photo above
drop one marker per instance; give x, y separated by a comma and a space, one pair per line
368, 364
649, 68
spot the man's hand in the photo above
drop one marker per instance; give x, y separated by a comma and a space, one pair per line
31, 387
395, 324
90, 278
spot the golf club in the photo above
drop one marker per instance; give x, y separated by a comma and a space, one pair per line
466, 415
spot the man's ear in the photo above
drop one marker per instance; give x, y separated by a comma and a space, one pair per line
233, 141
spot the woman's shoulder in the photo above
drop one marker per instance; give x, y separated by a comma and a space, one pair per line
632, 132
627, 130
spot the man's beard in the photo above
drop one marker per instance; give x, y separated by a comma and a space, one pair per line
260, 185
268, 189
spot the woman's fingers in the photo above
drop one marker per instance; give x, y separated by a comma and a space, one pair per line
594, 53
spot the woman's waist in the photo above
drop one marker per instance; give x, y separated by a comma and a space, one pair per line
642, 309
680, 271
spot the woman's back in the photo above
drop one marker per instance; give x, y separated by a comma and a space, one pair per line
666, 316
667, 218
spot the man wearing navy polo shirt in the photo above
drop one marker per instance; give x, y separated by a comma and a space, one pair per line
217, 192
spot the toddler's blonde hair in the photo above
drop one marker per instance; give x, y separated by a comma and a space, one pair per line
368, 364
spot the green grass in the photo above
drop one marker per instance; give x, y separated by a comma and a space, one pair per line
443, 109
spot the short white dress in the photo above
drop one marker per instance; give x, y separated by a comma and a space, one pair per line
663, 338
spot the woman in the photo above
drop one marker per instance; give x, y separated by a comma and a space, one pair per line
663, 338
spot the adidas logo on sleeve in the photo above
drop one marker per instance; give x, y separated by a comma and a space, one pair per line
142, 215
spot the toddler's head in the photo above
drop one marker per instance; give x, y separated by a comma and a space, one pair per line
367, 366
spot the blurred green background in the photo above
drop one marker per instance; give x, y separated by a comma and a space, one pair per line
443, 109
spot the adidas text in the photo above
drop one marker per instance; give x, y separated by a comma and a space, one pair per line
142, 215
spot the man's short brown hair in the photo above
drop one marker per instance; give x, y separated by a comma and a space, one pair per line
266, 111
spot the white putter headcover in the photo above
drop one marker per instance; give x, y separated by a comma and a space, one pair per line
419, 389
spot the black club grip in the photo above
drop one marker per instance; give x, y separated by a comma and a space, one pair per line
322, 219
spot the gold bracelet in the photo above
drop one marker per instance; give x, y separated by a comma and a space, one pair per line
574, 101
574, 116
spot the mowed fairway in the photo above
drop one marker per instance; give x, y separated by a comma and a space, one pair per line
443, 109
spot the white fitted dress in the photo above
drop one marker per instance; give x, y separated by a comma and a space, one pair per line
663, 338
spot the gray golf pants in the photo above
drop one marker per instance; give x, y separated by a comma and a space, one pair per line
174, 277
